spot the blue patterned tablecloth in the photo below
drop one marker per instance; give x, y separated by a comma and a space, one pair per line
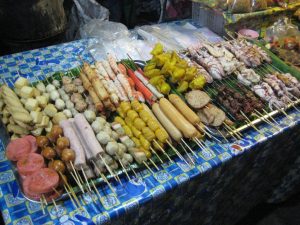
220, 189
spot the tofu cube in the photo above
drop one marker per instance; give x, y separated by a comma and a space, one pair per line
21, 82
44, 123
42, 101
26, 92
36, 92
36, 116
50, 110
31, 104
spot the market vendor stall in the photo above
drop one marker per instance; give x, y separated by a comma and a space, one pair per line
211, 180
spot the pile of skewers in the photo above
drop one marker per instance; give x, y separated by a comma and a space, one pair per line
94, 122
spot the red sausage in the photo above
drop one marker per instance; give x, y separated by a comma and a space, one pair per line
43, 181
32, 141
30, 164
18, 149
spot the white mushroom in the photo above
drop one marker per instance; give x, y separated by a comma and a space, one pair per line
97, 126
115, 135
54, 95
68, 113
60, 104
122, 147
128, 157
112, 148
56, 83
41, 87
73, 111
65, 97
103, 137
50, 88
90, 115
69, 104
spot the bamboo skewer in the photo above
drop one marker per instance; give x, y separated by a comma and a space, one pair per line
148, 167
42, 206
103, 177
189, 148
86, 180
156, 167
188, 155
124, 169
154, 152
163, 151
177, 153
251, 124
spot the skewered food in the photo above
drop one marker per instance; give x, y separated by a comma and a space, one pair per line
197, 99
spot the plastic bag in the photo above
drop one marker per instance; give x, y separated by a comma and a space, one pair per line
82, 12
280, 29
239, 6
104, 30
258, 5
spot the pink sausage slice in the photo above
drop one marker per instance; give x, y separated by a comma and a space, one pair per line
18, 149
43, 181
30, 164
32, 141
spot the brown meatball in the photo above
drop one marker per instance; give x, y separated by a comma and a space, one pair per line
57, 165
42, 141
62, 142
48, 153
68, 155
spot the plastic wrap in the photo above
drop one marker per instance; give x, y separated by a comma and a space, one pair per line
104, 30
82, 12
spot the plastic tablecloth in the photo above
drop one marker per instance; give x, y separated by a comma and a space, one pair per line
225, 183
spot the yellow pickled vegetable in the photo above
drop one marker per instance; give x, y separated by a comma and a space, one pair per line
158, 49
162, 59
139, 124
152, 73
120, 112
144, 143
128, 121
161, 135
128, 131
157, 80
136, 105
148, 133
167, 68
136, 141
178, 73
165, 88
182, 86
135, 132
181, 63
190, 73
119, 120
153, 125
132, 114
198, 83
125, 106
150, 66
